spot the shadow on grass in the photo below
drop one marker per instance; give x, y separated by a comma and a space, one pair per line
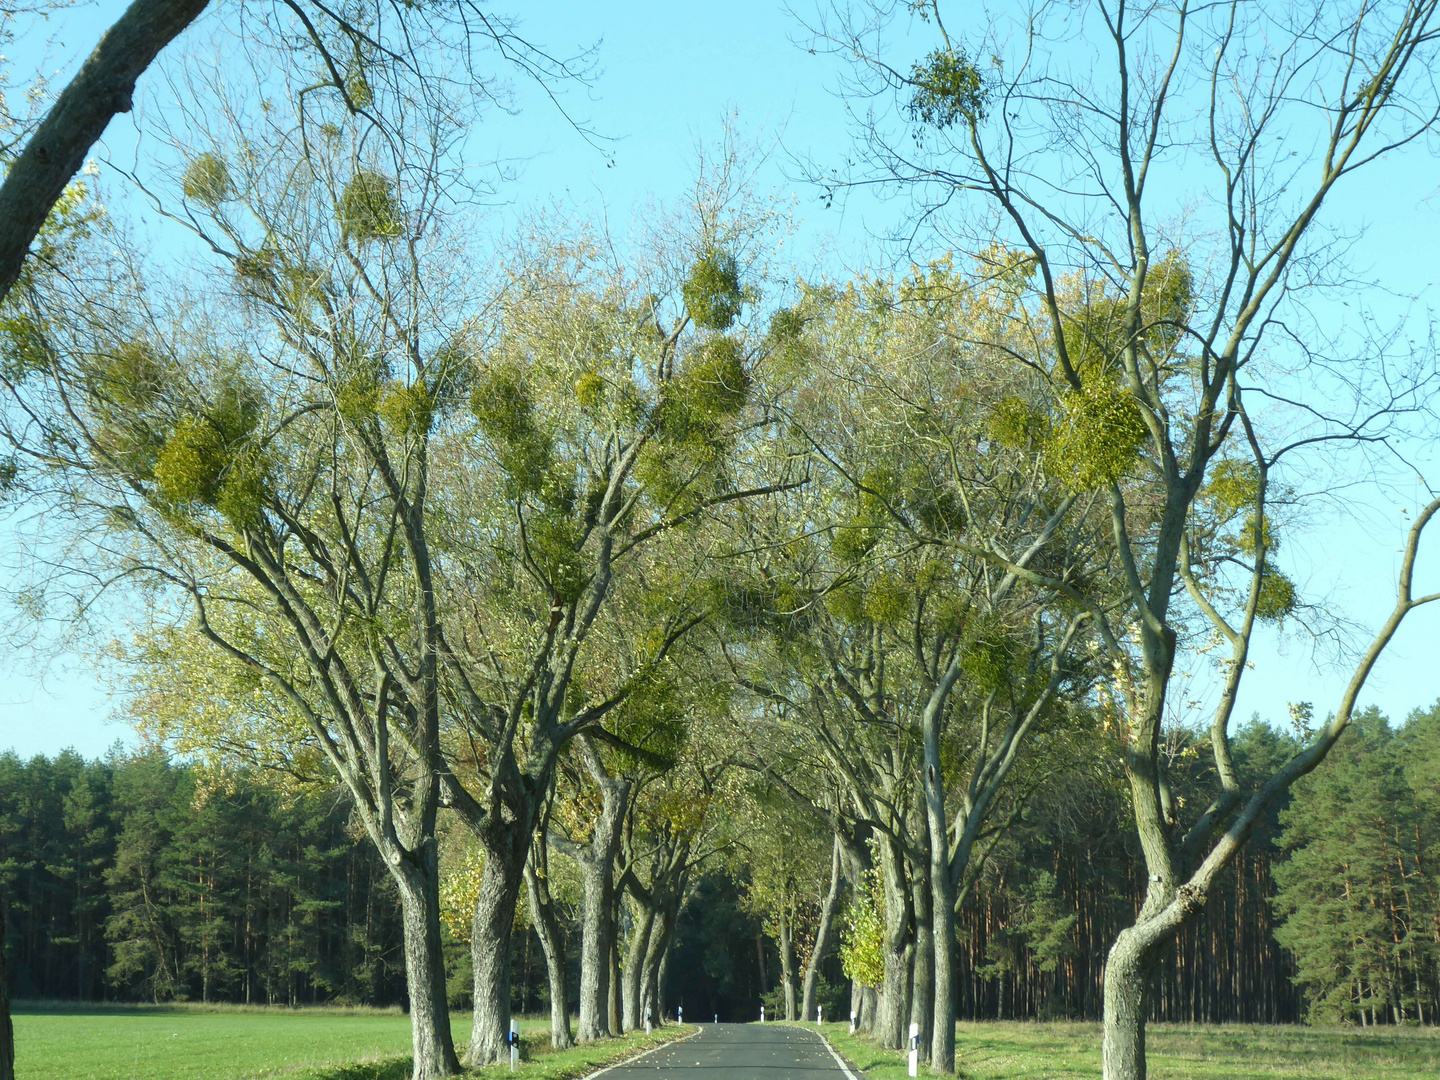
384, 1069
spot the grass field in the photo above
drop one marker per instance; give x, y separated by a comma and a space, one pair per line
1011, 1051
187, 1043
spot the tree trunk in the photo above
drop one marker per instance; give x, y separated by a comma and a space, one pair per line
662, 983
942, 1037
1128, 969
506, 848
635, 966
869, 1009
595, 952
552, 941
787, 964
419, 887
616, 1019
822, 936
660, 934
597, 862
894, 996
922, 982
104, 86
7, 1031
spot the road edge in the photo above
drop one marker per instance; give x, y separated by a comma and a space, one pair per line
643, 1053
850, 1073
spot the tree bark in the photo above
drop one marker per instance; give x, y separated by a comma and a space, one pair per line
822, 935
506, 847
1128, 970
922, 981
104, 86
787, 964
597, 860
616, 1019
894, 995
7, 1030
552, 942
419, 888
635, 964
942, 887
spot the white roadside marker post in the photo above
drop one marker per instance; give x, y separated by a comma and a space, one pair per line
762, 1014
914, 1049
647, 1020
514, 1041
819, 1012
680, 1014
852, 1022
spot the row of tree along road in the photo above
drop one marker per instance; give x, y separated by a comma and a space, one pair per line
527, 535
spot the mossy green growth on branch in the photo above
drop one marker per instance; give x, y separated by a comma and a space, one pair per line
505, 410
945, 88
22, 346
406, 408
712, 386
1099, 438
369, 208
712, 292
987, 656
211, 460
206, 180
1277, 596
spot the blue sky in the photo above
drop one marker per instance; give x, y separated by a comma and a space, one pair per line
669, 72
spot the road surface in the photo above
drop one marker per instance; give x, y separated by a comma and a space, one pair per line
738, 1052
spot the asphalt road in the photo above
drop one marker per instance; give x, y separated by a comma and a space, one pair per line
738, 1052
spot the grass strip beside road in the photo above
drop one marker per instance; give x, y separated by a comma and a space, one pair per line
578, 1061
1071, 1051
138, 1042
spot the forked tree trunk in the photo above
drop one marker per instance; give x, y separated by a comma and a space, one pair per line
822, 936
419, 886
552, 942
506, 847
660, 934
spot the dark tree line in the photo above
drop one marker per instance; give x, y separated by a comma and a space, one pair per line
118, 883
127, 879
1064, 883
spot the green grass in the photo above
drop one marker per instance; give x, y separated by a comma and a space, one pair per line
1061, 1051
187, 1042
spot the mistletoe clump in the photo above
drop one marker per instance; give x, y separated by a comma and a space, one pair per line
211, 460
712, 292
369, 208
207, 180
1099, 438
945, 88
